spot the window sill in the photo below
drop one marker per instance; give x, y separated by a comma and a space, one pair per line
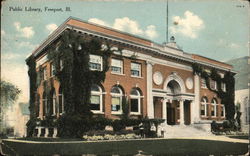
116, 113
139, 77
204, 87
121, 74
97, 112
135, 113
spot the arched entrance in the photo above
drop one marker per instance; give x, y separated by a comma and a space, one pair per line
173, 106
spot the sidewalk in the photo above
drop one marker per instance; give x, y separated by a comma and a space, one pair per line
214, 138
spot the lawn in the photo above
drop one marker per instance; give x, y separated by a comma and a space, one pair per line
129, 147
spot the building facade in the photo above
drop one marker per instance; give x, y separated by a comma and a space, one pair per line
158, 80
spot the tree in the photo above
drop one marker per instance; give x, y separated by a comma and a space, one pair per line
9, 94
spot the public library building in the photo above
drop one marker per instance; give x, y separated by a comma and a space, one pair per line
157, 79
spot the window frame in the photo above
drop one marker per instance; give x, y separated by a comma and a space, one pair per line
214, 105
52, 70
100, 94
138, 97
61, 97
204, 102
215, 85
45, 74
54, 103
121, 66
203, 83
140, 70
117, 95
91, 62
223, 109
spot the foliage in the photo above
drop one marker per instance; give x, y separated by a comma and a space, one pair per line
9, 92
227, 98
33, 85
75, 77
31, 125
73, 125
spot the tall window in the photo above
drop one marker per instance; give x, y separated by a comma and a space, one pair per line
213, 108
203, 83
54, 103
204, 108
61, 64
223, 87
95, 62
136, 69
116, 100
222, 110
45, 73
96, 98
135, 101
213, 84
45, 104
61, 101
117, 66
52, 69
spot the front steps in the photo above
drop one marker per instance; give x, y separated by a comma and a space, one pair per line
178, 131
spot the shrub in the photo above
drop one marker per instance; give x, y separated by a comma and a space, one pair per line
73, 125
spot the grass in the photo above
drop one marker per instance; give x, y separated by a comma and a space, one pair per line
151, 147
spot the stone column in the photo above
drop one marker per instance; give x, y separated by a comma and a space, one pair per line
150, 105
196, 103
181, 112
164, 109
39, 131
46, 132
192, 112
55, 133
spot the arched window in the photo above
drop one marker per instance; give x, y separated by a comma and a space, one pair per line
222, 110
96, 99
116, 101
135, 101
54, 103
61, 101
204, 106
45, 104
214, 108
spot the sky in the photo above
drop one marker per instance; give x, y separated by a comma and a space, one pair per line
214, 29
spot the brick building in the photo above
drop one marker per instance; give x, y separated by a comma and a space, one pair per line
157, 79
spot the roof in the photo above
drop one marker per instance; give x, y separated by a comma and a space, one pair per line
99, 30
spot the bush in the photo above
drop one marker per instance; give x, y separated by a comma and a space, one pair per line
73, 125
99, 123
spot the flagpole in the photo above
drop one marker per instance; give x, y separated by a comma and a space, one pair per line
167, 23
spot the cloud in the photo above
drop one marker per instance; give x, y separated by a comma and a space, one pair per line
26, 32
16, 74
10, 56
225, 43
151, 32
25, 44
189, 25
128, 25
98, 21
3, 33
125, 24
234, 45
51, 27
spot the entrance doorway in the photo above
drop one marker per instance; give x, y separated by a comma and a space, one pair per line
173, 113
187, 114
